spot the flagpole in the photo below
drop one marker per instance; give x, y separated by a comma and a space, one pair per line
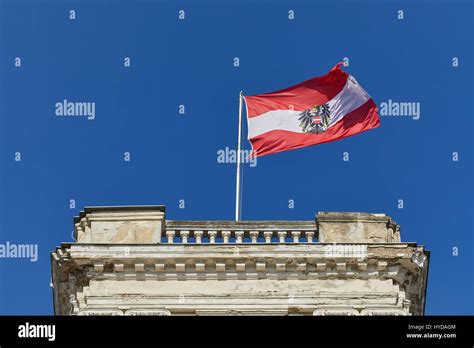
237, 187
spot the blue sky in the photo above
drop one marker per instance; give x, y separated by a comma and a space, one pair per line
174, 156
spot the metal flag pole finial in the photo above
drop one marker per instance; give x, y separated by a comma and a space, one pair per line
239, 143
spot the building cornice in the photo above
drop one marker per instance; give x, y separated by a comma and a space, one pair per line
403, 262
132, 260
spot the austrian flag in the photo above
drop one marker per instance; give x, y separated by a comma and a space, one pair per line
319, 110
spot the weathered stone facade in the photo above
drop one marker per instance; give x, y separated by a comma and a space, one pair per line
132, 261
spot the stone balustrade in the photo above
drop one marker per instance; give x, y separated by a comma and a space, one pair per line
148, 225
237, 237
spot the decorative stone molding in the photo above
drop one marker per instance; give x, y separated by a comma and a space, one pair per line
160, 264
341, 264
235, 312
335, 311
98, 312
391, 311
148, 312
383, 311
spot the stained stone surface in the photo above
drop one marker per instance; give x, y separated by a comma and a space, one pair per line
120, 225
357, 228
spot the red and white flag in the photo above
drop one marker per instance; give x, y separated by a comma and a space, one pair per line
319, 110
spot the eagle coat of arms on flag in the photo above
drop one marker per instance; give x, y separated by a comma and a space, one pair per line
316, 119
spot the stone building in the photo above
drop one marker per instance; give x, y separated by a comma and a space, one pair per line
133, 261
